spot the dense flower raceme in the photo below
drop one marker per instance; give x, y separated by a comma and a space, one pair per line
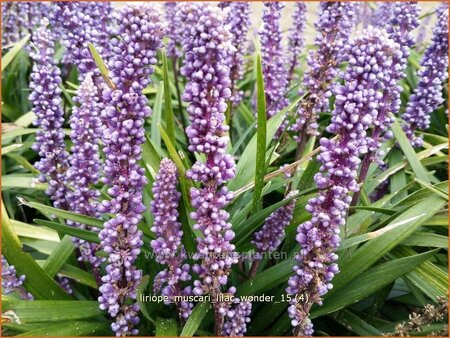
139, 33
174, 30
404, 19
206, 44
237, 319
12, 283
334, 26
273, 58
167, 245
272, 233
382, 14
239, 22
434, 71
296, 38
19, 19
47, 105
370, 59
80, 23
85, 162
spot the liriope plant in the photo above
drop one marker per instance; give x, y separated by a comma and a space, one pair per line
178, 170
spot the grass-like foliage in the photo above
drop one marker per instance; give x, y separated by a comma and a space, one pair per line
393, 241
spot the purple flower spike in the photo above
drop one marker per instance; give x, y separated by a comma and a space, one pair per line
239, 21
334, 25
80, 23
85, 163
174, 30
296, 38
272, 233
47, 105
167, 246
273, 60
12, 283
382, 14
370, 61
237, 319
404, 19
427, 96
139, 33
208, 87
20, 19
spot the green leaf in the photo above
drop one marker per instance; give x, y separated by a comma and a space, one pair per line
195, 319
432, 188
51, 310
83, 219
72, 231
168, 109
356, 324
245, 168
267, 279
8, 57
429, 278
11, 148
150, 157
260, 163
16, 181
36, 232
101, 65
70, 329
59, 256
371, 184
404, 225
426, 239
78, 275
38, 282
397, 180
166, 327
22, 161
156, 117
409, 152
141, 291
369, 282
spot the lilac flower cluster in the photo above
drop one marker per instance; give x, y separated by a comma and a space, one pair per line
12, 283
404, 19
434, 71
65, 284
206, 43
80, 23
370, 61
296, 40
47, 105
382, 14
139, 33
85, 163
237, 319
239, 22
167, 245
273, 59
334, 26
174, 30
272, 233
19, 19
